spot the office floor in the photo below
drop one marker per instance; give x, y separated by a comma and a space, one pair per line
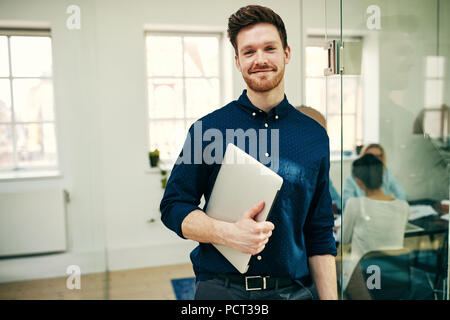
139, 284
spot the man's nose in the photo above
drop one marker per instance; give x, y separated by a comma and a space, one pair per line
260, 58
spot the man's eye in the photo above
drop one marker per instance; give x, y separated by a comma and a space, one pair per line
248, 52
270, 48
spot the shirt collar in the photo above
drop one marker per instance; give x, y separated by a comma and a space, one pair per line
281, 109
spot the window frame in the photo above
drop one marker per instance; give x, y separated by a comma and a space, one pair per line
222, 77
29, 171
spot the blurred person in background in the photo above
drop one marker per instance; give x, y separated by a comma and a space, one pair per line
390, 185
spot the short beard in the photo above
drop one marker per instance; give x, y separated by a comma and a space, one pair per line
264, 85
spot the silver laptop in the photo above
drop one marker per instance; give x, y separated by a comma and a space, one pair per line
241, 183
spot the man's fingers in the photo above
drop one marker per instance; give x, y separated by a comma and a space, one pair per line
264, 235
269, 225
261, 248
264, 227
253, 211
264, 242
263, 239
259, 244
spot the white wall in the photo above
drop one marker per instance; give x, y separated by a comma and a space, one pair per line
77, 114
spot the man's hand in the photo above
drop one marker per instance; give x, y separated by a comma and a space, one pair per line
247, 235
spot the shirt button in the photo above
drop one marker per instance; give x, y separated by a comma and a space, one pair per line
254, 114
266, 154
259, 257
276, 117
266, 125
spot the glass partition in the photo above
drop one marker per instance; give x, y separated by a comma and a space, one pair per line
393, 237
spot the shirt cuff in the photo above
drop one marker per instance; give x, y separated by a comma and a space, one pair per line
322, 251
173, 218
322, 245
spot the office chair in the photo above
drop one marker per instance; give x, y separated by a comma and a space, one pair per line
397, 279
434, 263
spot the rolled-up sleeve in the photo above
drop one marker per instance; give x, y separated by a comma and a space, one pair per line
318, 229
184, 189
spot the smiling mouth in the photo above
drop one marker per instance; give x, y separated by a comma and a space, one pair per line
261, 71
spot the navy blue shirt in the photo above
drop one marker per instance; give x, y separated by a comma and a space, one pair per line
302, 213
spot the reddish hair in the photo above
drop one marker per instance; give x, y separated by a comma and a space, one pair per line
251, 15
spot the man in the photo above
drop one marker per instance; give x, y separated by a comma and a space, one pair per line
295, 248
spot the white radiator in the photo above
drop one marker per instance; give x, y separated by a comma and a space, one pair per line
32, 222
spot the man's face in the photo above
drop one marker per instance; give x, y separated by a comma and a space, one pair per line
261, 58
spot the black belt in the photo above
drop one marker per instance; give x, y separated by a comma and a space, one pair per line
251, 283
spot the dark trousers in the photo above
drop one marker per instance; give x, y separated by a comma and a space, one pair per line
220, 289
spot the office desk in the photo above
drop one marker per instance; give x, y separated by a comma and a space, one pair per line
431, 225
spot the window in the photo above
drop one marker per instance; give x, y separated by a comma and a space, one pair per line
184, 84
27, 120
434, 118
322, 93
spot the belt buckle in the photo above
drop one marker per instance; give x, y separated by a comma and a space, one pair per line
257, 288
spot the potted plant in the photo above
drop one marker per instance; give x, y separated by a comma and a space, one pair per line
358, 149
154, 158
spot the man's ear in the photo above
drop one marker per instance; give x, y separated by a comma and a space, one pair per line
287, 54
238, 65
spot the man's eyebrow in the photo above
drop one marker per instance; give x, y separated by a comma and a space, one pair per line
268, 43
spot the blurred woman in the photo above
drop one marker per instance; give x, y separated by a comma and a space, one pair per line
390, 185
372, 222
